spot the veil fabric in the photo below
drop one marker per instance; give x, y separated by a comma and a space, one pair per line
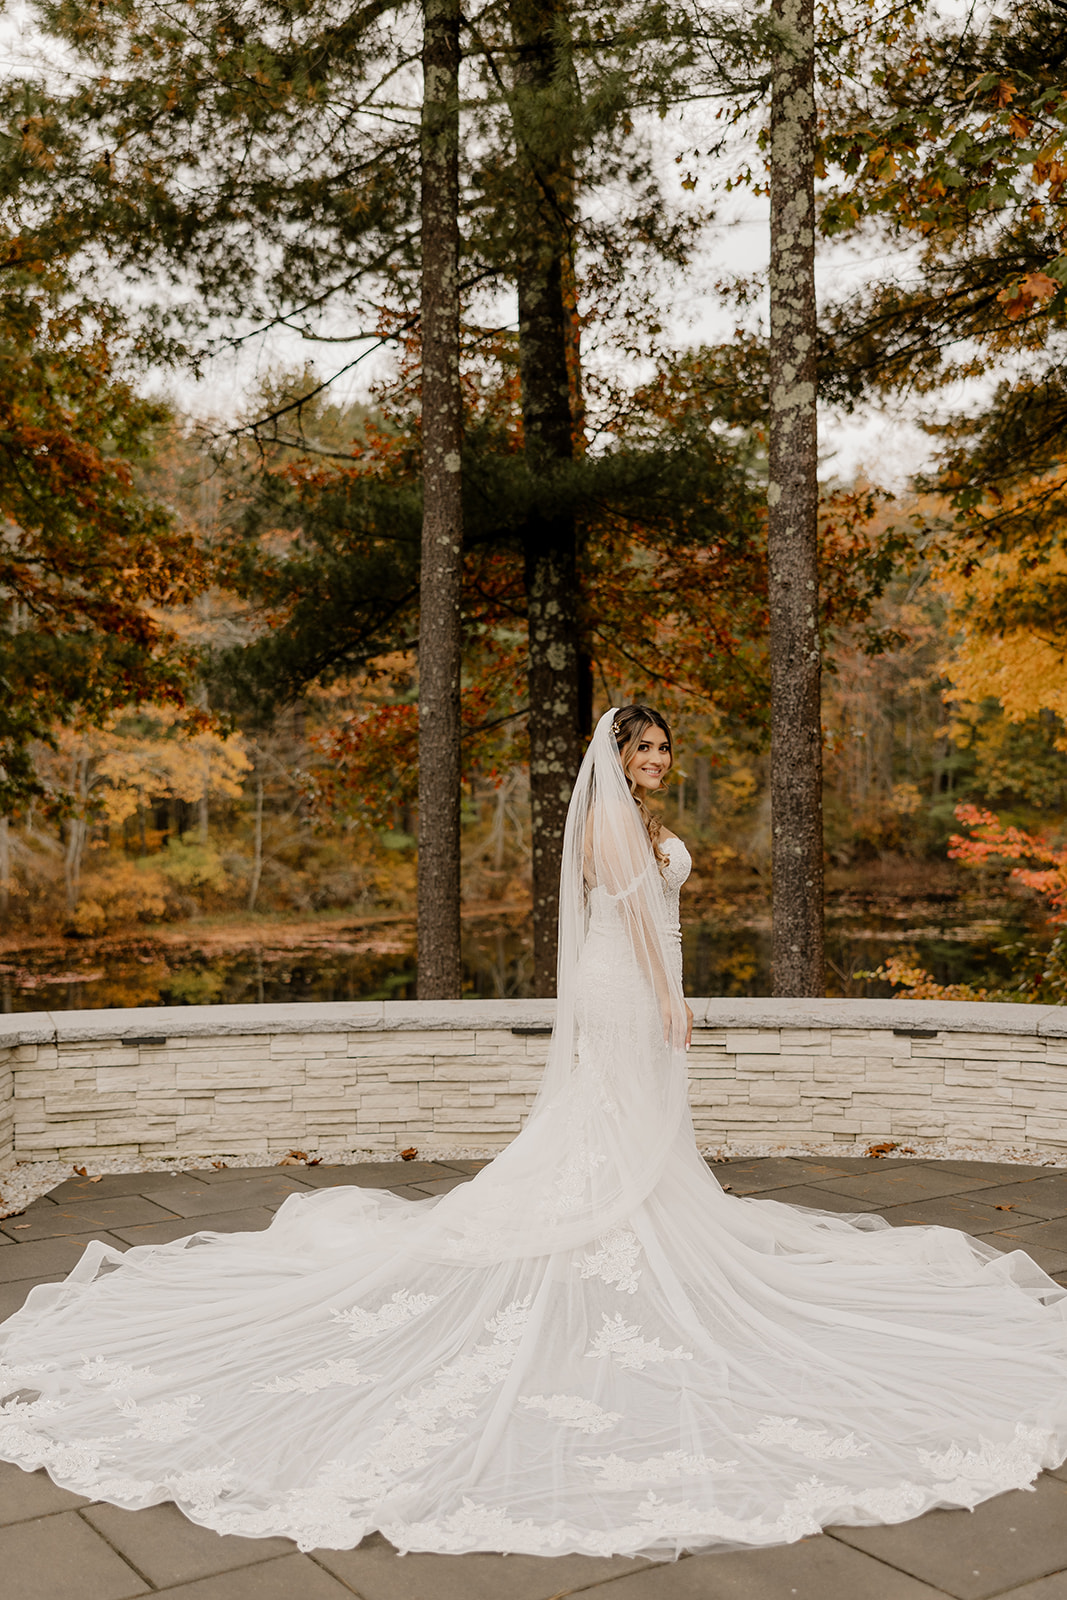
588, 1348
614, 1094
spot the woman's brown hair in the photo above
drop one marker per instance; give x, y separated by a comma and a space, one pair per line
628, 727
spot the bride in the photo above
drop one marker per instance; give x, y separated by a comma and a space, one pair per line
588, 1348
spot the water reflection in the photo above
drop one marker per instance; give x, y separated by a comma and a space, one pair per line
724, 955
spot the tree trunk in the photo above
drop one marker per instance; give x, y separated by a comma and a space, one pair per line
5, 867
549, 378
792, 502
72, 861
440, 635
257, 844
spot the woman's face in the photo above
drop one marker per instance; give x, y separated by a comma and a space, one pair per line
651, 759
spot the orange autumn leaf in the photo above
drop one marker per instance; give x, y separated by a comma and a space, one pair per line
1034, 290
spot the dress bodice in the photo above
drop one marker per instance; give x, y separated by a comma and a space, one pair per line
679, 866
604, 918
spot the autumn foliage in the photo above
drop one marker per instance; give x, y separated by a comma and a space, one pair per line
1044, 865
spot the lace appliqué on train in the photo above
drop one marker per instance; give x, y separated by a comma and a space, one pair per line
394, 1313
969, 1475
573, 1411
627, 1347
615, 1472
615, 1262
114, 1375
817, 1444
310, 1379
163, 1420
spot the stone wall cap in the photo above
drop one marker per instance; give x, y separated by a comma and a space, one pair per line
357, 1016
192, 1022
948, 1016
418, 1014
26, 1027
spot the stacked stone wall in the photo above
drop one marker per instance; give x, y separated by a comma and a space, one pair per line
463, 1074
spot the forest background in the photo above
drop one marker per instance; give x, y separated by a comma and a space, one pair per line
210, 645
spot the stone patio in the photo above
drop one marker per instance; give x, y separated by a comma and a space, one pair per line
57, 1546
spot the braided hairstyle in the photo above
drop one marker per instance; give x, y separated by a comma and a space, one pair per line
629, 728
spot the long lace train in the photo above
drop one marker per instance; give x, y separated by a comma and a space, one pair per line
590, 1347
715, 1371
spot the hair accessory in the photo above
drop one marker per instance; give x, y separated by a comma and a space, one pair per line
615, 729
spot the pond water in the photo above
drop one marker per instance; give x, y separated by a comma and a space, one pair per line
727, 951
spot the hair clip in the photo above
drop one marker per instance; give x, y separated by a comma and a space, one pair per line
615, 729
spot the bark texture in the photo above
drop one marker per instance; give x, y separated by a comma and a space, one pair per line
440, 633
792, 502
546, 327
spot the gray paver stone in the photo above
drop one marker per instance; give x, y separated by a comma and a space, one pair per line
812, 1569
163, 1544
1044, 1197
803, 1194
292, 1577
376, 1572
225, 1174
60, 1558
1005, 1171
904, 1184
973, 1555
194, 1199
442, 1185
1054, 1587
773, 1172
51, 1223
47, 1256
32, 1494
107, 1186
1052, 1234
13, 1295
1048, 1260
953, 1211
851, 1165
375, 1174
250, 1221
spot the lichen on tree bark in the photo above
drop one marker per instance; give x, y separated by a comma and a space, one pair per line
792, 516
549, 534
440, 633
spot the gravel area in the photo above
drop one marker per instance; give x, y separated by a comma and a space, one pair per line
31, 1179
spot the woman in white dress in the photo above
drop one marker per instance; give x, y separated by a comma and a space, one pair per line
590, 1347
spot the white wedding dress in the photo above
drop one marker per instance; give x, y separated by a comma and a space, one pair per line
590, 1347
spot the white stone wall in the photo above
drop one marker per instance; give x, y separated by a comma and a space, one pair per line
381, 1076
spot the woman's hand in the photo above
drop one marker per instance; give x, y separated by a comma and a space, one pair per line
688, 1027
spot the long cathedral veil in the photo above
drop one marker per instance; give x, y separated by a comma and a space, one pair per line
606, 848
613, 1098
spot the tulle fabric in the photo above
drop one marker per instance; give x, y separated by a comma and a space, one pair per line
589, 1348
